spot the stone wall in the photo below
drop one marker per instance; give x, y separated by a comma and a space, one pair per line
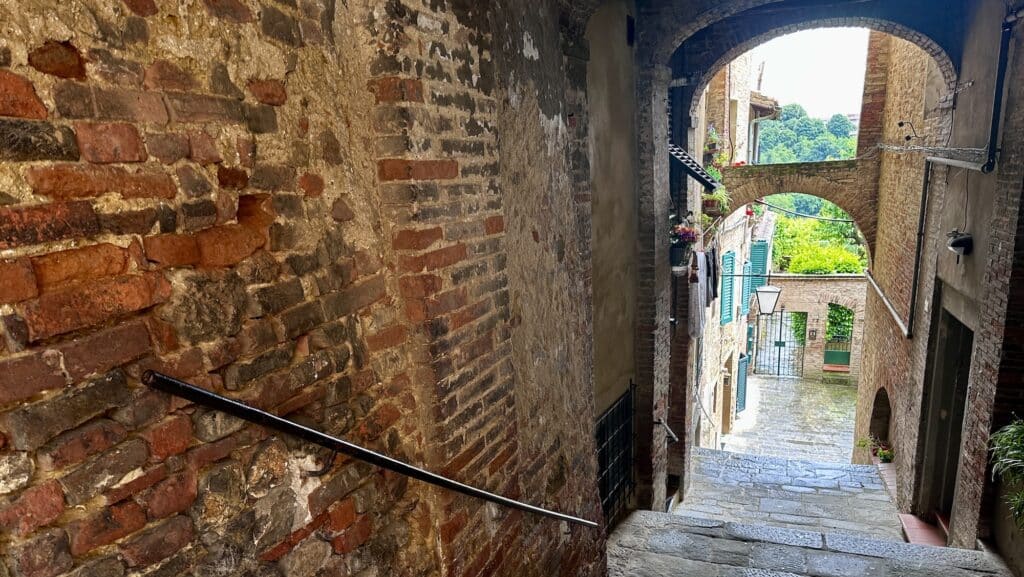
304, 206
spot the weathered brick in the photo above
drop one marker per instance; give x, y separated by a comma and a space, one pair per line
18, 97
131, 105
17, 281
353, 299
268, 91
171, 496
103, 471
26, 140
260, 118
193, 182
434, 260
114, 69
142, 8
16, 471
312, 184
136, 485
402, 169
244, 372
387, 338
129, 221
79, 264
25, 376
200, 108
276, 298
59, 59
74, 100
302, 319
106, 567
273, 177
67, 181
417, 287
165, 75
230, 10
158, 543
353, 537
68, 309
232, 178
412, 239
47, 555
109, 143
494, 225
341, 212
171, 436
203, 148
172, 250
227, 245
279, 26
391, 89
105, 527
45, 223
36, 507
105, 350
168, 148
75, 446
198, 215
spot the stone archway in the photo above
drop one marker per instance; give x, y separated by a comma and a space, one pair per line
881, 417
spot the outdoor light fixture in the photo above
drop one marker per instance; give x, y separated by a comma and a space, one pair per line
768, 299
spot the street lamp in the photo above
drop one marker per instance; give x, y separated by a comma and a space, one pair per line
768, 299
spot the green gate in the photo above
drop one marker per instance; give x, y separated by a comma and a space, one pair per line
837, 351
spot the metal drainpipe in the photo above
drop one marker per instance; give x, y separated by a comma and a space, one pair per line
997, 105
922, 220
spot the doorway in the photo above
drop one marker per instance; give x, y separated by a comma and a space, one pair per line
946, 403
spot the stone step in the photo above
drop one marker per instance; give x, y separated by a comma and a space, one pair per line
649, 544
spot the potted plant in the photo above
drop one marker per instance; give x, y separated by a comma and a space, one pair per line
711, 143
886, 455
1008, 458
682, 237
716, 203
882, 450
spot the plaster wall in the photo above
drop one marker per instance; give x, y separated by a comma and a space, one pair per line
611, 81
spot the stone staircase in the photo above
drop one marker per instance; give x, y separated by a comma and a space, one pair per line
652, 544
790, 493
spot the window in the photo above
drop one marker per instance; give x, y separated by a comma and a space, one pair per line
748, 286
728, 286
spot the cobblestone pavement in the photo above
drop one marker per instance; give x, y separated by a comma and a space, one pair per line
797, 419
794, 494
652, 544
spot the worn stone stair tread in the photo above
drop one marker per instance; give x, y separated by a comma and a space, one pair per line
651, 544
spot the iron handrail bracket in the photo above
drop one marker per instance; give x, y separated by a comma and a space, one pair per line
234, 408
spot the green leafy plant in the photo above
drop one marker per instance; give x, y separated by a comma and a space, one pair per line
840, 322
706, 222
721, 197
1008, 459
886, 455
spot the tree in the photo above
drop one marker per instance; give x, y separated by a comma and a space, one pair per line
840, 126
840, 322
828, 259
806, 128
792, 111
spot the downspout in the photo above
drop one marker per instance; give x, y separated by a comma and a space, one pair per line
922, 219
997, 104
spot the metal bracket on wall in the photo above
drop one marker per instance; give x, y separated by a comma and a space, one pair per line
668, 430
245, 412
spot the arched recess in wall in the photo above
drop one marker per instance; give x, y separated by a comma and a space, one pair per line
881, 417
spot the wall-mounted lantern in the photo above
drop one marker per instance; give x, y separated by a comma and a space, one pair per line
768, 299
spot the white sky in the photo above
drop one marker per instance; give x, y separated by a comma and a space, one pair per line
821, 69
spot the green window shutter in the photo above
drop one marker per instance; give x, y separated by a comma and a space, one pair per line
759, 263
747, 288
728, 286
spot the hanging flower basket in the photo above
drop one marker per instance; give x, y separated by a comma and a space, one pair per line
682, 238
712, 207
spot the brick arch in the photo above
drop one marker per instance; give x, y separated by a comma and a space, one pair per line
931, 47
837, 182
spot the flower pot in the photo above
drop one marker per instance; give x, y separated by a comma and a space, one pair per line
677, 255
712, 208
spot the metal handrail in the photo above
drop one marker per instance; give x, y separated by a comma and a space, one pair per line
232, 407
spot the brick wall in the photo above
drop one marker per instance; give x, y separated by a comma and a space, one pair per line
813, 295
310, 216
